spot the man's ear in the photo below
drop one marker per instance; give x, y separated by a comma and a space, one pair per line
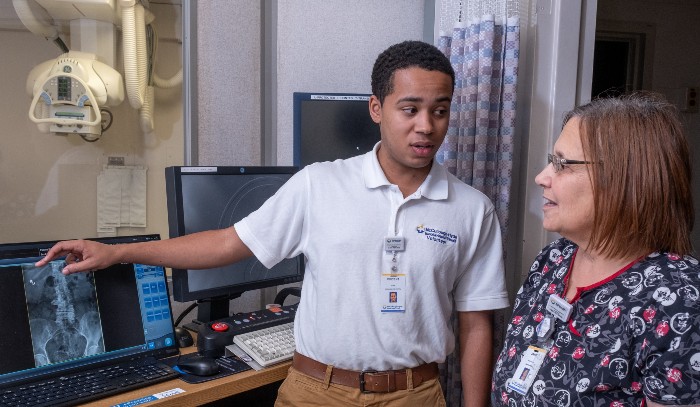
375, 109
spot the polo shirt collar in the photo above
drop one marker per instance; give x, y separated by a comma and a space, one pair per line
434, 186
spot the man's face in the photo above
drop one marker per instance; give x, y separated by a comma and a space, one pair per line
413, 119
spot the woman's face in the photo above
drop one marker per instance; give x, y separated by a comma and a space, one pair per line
568, 194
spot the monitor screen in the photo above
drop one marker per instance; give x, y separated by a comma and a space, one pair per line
55, 323
329, 126
205, 198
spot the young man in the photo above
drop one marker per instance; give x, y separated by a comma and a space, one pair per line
389, 220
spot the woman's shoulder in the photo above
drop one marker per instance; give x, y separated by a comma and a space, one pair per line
674, 267
661, 291
665, 276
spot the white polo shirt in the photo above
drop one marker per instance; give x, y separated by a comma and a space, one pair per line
338, 215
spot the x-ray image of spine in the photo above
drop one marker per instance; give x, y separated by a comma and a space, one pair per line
63, 316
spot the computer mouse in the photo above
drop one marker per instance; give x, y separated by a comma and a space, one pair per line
199, 366
183, 337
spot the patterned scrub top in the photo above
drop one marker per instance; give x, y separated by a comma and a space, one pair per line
633, 335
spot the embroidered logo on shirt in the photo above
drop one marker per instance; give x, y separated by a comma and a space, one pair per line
436, 235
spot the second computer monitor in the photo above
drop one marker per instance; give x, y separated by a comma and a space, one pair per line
205, 198
329, 126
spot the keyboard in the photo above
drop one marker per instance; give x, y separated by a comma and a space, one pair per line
268, 346
213, 343
87, 385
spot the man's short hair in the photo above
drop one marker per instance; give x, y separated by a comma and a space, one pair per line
404, 55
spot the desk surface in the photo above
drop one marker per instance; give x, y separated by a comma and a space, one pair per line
201, 393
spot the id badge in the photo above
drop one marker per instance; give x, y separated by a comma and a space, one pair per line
393, 292
394, 244
527, 370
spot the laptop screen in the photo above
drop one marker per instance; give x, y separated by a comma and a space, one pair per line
53, 323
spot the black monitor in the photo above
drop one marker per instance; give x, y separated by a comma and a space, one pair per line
329, 126
55, 324
203, 198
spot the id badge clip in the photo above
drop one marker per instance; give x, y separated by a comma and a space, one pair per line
545, 328
394, 244
559, 307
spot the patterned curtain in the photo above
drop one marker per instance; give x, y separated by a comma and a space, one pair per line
478, 147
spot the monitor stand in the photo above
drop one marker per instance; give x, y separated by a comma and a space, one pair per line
211, 309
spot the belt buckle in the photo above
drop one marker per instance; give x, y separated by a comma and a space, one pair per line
362, 381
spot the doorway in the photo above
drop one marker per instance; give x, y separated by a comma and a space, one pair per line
622, 57
617, 67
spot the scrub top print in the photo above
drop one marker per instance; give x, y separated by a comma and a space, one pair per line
630, 336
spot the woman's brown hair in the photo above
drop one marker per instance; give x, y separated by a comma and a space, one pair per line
641, 176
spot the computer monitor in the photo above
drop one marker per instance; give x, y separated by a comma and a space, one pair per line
203, 198
329, 126
54, 323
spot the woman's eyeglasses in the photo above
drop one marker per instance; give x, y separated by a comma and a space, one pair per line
559, 163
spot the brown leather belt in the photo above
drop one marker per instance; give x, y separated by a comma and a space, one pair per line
368, 381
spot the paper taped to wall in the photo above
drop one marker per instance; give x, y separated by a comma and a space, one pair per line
121, 198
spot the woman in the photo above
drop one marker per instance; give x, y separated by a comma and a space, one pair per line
608, 313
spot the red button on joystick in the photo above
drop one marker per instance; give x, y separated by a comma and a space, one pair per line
219, 326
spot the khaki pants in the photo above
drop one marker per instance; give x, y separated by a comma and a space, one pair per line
300, 390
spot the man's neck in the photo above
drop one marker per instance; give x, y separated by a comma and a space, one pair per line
406, 178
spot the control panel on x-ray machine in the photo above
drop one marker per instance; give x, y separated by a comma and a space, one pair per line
70, 90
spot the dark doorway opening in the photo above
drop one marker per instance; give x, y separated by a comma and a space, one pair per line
618, 63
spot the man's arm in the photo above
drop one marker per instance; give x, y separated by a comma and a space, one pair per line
475, 353
201, 250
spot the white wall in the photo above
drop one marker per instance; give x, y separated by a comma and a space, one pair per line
227, 66
48, 182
